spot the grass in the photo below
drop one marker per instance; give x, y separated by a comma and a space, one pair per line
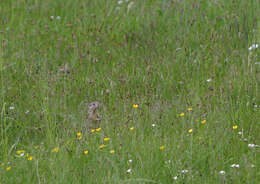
166, 56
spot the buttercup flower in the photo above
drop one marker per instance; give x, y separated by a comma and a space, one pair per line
181, 114
135, 106
79, 135
92, 131
235, 127
102, 146
55, 150
162, 147
132, 128
106, 139
190, 130
20, 152
98, 129
30, 158
203, 121
8, 168
85, 152
112, 151
189, 109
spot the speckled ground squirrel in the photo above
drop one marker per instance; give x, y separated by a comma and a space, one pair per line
93, 117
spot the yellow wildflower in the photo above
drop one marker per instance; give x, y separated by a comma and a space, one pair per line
106, 139
55, 149
79, 135
189, 109
181, 114
135, 106
112, 151
85, 152
20, 151
162, 147
8, 168
93, 131
235, 127
132, 128
98, 129
102, 146
30, 158
190, 130
203, 121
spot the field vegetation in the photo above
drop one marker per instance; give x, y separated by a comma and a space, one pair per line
178, 83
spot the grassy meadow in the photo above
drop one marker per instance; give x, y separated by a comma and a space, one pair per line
178, 82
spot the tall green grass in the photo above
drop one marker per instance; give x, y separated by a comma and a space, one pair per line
166, 56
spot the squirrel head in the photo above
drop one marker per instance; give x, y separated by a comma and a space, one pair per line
93, 105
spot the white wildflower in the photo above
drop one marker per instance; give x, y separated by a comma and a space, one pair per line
184, 171
222, 172
235, 165
209, 80
252, 145
52, 17
58, 17
239, 133
26, 112
168, 161
254, 46
128, 170
119, 2
175, 177
11, 107
153, 125
130, 161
